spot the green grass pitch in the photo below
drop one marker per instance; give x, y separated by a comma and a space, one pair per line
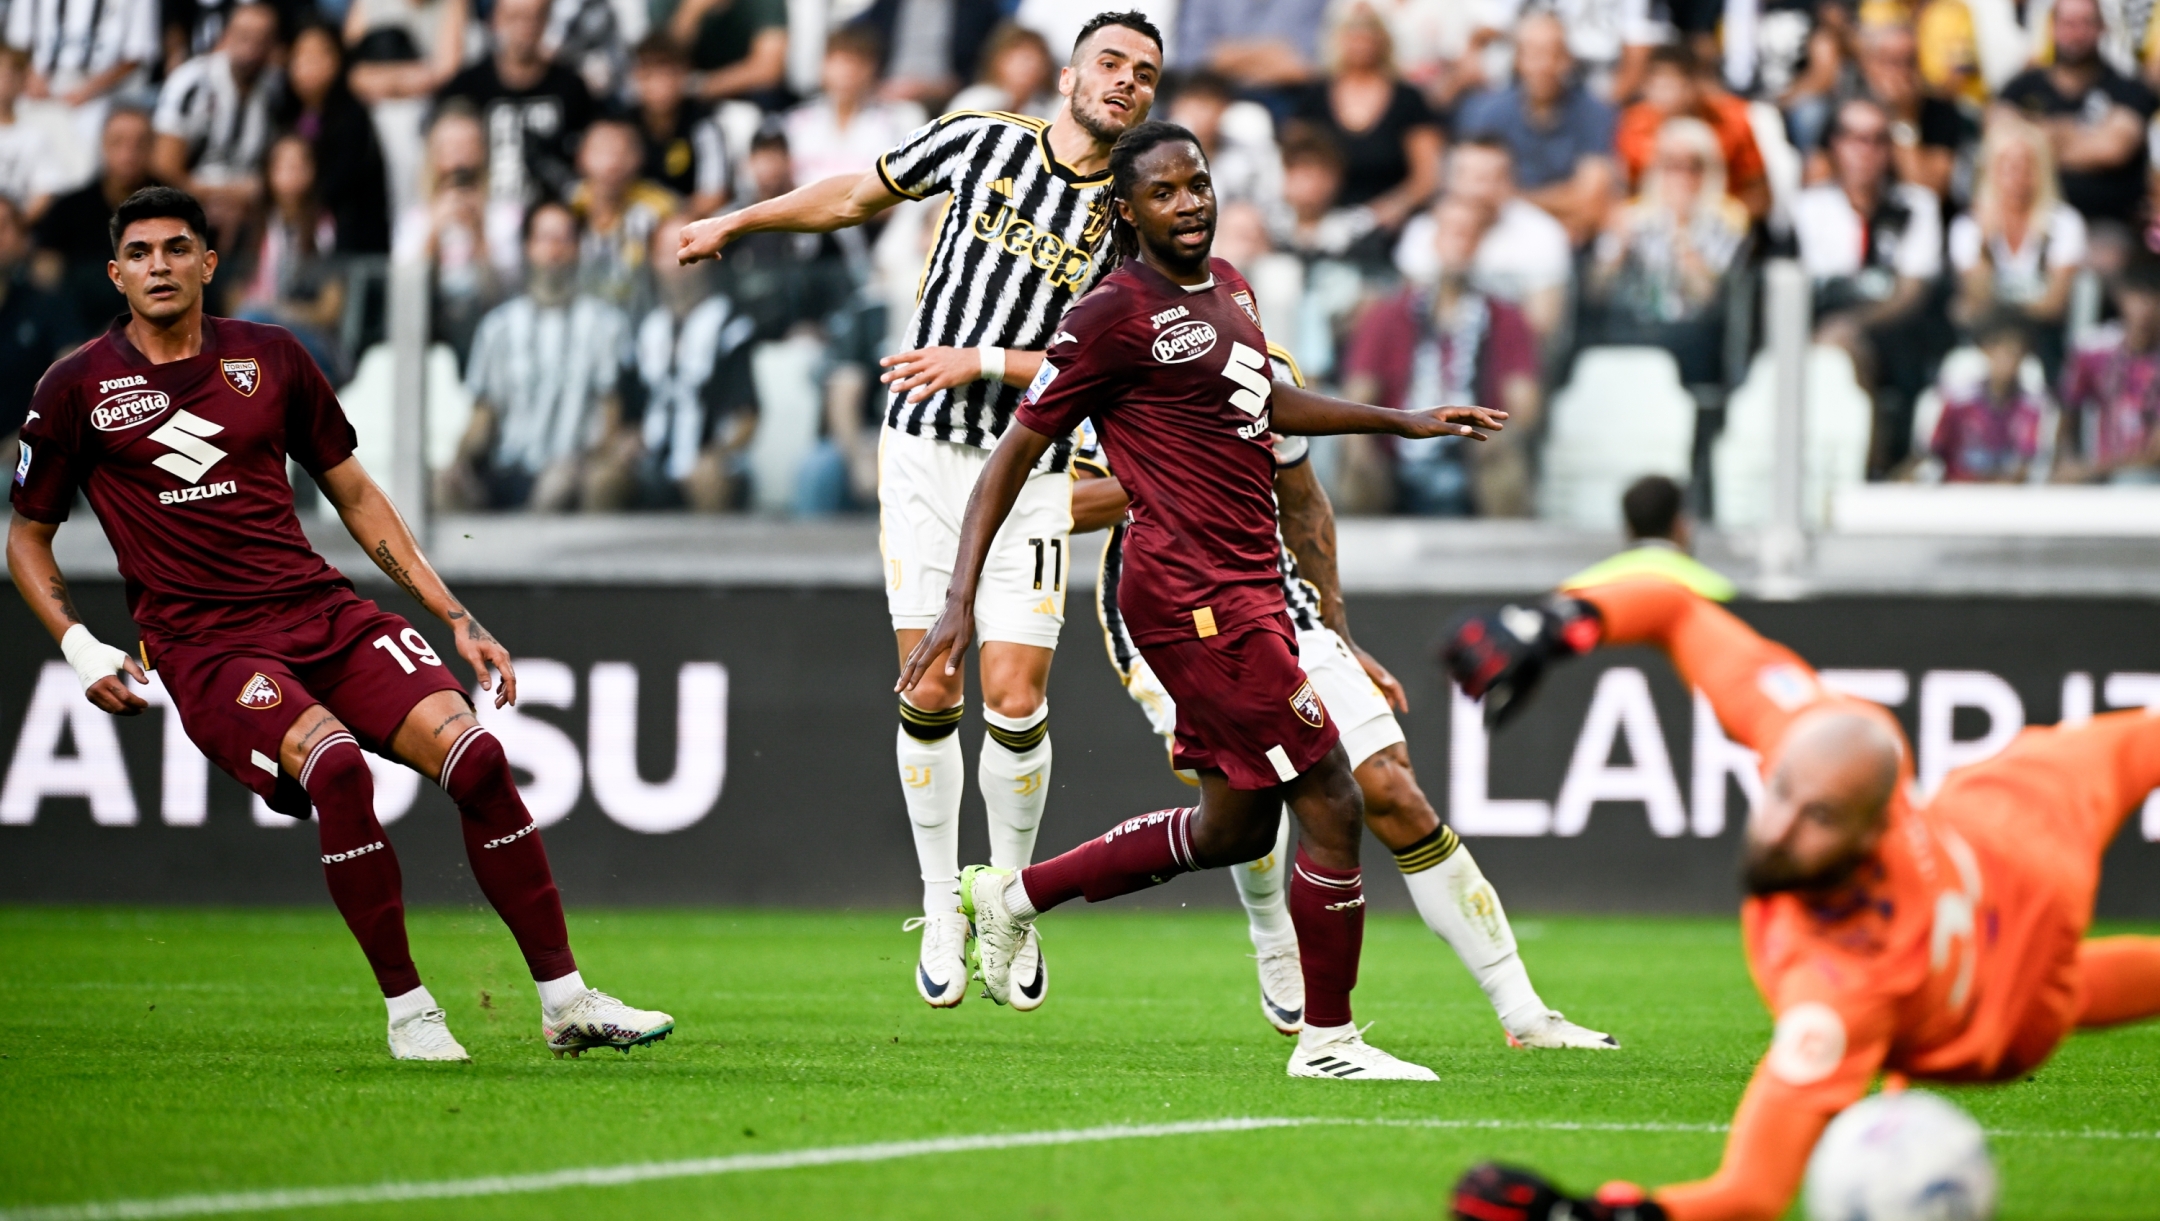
156, 1053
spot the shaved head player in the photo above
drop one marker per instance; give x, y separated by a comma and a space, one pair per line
177, 427
1942, 941
1167, 357
1023, 235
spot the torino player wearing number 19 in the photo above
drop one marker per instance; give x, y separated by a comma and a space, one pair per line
177, 426
1167, 356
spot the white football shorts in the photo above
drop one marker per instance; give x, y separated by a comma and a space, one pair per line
923, 489
1362, 716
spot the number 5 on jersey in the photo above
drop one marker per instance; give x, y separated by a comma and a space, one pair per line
1249, 369
415, 642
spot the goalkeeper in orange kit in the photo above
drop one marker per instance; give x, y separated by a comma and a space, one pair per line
1942, 941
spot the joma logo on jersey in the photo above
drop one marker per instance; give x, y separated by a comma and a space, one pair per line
111, 384
242, 374
1186, 341
259, 692
1068, 267
1306, 703
129, 408
199, 492
1172, 314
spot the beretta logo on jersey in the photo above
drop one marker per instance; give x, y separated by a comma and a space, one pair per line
1306, 703
260, 691
128, 408
1189, 340
241, 373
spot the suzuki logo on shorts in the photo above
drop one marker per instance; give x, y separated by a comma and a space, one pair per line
242, 374
1306, 703
332, 858
192, 457
260, 692
1189, 340
129, 408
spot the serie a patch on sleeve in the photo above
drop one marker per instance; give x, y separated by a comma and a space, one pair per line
1044, 375
22, 464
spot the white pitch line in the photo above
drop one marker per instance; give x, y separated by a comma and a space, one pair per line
282, 1199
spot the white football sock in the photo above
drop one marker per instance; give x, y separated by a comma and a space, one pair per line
1261, 887
410, 1005
556, 994
931, 779
1320, 1036
1461, 907
1014, 774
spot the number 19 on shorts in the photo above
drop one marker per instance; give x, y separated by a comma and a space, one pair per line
416, 645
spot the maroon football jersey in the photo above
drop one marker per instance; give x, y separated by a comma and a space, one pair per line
1178, 382
185, 465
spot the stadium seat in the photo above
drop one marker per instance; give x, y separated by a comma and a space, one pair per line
369, 400
1838, 417
1623, 415
791, 407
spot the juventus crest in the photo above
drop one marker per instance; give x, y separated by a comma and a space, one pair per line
242, 374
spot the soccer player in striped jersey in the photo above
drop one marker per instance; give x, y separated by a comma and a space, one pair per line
1022, 238
1451, 893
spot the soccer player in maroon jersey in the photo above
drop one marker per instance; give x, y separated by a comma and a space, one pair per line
1167, 355
177, 427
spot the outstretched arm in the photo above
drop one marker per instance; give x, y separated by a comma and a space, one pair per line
1308, 529
1304, 413
821, 207
1766, 1153
37, 576
988, 505
381, 531
1097, 502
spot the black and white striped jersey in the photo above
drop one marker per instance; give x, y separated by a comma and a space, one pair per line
1022, 238
1300, 597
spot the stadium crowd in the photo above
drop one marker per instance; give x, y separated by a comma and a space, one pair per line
1436, 200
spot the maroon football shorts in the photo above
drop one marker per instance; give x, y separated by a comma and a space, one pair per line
237, 695
1244, 707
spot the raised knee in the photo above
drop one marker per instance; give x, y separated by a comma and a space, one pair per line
474, 762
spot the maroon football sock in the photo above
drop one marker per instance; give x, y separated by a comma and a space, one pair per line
1328, 908
503, 844
357, 859
1134, 855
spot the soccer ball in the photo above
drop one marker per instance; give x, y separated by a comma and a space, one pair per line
1908, 1156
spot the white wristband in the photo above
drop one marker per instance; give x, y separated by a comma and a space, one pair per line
993, 364
92, 658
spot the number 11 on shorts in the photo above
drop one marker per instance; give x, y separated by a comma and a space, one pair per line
413, 641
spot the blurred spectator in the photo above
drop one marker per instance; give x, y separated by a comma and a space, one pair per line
76, 227
1019, 76
532, 108
1524, 257
1661, 265
1260, 44
1609, 39
930, 48
293, 278
1241, 237
1389, 139
1873, 246
1674, 86
1989, 432
1243, 170
213, 121
618, 209
32, 329
786, 280
1453, 344
29, 166
2021, 246
547, 431
1807, 63
316, 105
684, 149
83, 51
1432, 42
2111, 388
846, 128
1947, 47
593, 38
1926, 131
700, 401
2095, 117
739, 47
465, 232
1562, 137
1310, 223
1059, 21
404, 48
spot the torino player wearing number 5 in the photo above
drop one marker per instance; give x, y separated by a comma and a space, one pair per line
1168, 358
177, 426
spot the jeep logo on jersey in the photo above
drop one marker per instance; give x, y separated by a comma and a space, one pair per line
260, 691
129, 408
1186, 341
192, 457
1306, 703
242, 374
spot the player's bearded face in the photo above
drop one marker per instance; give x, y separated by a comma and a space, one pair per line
161, 267
1802, 842
1112, 84
1172, 207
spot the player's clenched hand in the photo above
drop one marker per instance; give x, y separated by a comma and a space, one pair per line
1397, 698
925, 371
1500, 655
701, 239
111, 693
948, 637
1454, 422
482, 651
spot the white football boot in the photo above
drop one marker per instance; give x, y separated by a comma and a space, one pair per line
595, 1019
999, 935
941, 970
1030, 976
1282, 988
425, 1036
1553, 1030
1348, 1057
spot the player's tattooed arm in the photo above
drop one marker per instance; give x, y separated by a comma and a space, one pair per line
1308, 529
64, 602
387, 560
